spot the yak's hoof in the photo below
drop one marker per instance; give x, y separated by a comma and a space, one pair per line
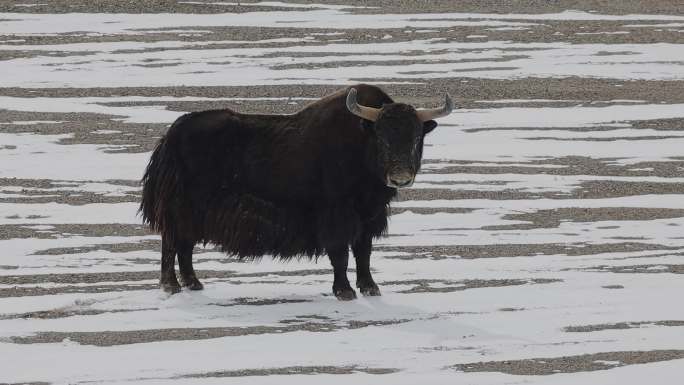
193, 284
170, 287
345, 294
370, 290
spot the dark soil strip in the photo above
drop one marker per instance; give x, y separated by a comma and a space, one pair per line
620, 326
571, 364
292, 370
112, 338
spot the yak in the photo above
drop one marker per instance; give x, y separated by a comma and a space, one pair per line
301, 185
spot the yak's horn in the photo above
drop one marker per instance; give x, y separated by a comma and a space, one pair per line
434, 113
368, 113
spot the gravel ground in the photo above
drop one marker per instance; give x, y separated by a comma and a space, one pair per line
505, 218
573, 364
380, 6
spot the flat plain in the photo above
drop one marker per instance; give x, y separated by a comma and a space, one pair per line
541, 244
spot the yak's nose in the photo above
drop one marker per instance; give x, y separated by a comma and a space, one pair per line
399, 181
403, 183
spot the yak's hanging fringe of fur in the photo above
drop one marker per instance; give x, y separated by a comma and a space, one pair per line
161, 185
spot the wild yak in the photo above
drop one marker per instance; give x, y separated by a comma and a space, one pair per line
292, 186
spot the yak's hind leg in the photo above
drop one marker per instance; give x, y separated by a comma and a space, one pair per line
187, 273
339, 257
364, 279
168, 281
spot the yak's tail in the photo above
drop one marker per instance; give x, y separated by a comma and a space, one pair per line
161, 187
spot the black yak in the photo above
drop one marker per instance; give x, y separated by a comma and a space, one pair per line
300, 185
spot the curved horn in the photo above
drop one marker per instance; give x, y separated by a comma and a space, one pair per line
368, 113
434, 113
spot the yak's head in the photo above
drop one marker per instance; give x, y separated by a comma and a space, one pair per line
399, 129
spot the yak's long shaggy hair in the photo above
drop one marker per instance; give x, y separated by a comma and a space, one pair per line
260, 184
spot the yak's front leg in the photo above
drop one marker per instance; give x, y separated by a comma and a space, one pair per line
168, 280
339, 257
364, 279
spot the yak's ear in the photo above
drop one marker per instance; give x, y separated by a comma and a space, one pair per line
429, 126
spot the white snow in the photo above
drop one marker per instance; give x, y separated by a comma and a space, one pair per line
442, 328
110, 66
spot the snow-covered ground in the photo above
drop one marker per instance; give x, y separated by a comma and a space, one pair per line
541, 244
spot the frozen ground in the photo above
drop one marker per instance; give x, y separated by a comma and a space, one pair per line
541, 244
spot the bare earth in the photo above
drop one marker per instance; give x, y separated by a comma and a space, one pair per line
559, 222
